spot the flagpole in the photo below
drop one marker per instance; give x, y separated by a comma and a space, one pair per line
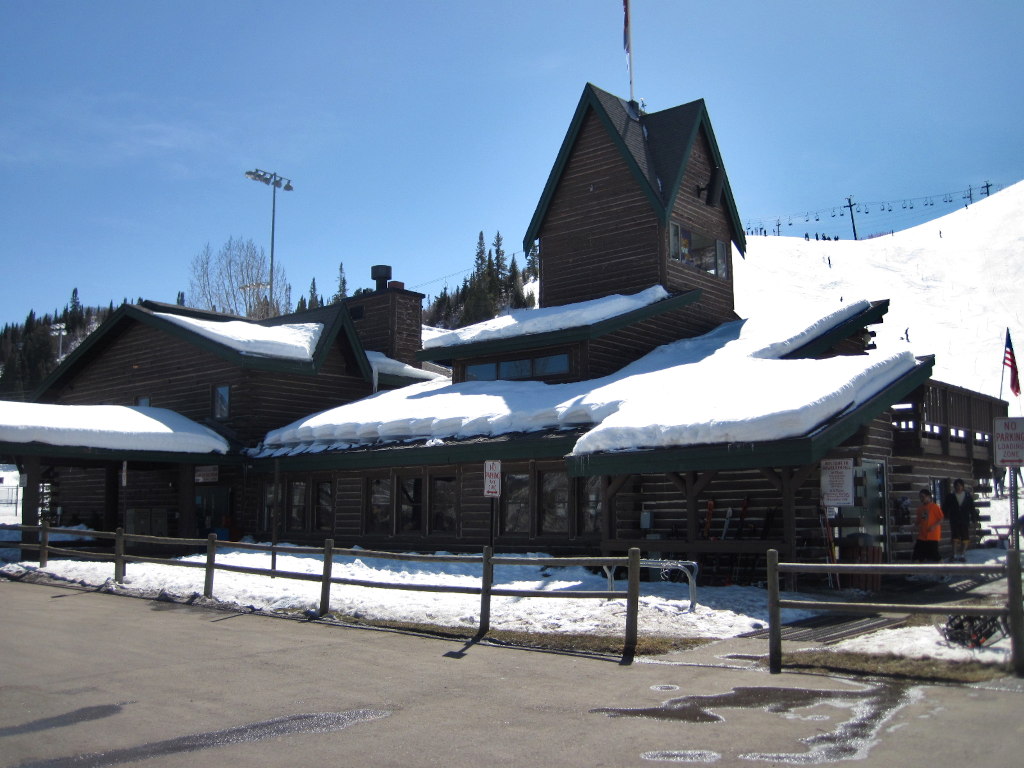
627, 41
1002, 368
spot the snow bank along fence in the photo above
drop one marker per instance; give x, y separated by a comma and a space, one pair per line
1013, 610
486, 590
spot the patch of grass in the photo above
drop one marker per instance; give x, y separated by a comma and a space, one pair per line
565, 642
892, 666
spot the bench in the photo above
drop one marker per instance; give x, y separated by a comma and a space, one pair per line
668, 568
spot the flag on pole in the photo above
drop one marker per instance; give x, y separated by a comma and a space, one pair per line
1011, 362
625, 26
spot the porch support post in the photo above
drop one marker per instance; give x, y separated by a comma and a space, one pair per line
692, 484
787, 481
610, 487
111, 496
30, 504
187, 501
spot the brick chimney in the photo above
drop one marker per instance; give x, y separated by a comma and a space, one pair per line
390, 319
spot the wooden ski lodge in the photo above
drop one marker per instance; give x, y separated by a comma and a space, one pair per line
634, 203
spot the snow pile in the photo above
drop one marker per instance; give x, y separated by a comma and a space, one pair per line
292, 342
127, 428
524, 322
724, 386
954, 284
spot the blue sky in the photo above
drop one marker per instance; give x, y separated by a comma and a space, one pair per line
408, 127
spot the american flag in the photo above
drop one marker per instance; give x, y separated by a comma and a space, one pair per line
1011, 362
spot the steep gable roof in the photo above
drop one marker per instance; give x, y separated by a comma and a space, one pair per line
655, 146
334, 319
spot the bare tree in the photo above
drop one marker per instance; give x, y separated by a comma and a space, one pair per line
236, 280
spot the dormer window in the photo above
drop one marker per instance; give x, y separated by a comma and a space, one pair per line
698, 250
521, 368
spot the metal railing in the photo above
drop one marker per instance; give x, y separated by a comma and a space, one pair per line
1013, 610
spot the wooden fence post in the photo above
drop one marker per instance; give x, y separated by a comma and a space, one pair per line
486, 581
1014, 599
774, 615
211, 561
44, 542
119, 555
325, 586
632, 601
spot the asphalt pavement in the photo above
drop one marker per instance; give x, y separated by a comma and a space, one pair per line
93, 679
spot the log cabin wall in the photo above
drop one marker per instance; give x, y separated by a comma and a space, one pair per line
690, 209
600, 235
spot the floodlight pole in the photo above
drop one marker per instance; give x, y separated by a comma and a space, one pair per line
274, 180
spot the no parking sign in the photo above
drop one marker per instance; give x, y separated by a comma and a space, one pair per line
1008, 441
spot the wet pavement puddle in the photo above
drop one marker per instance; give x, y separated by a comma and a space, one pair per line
862, 714
320, 722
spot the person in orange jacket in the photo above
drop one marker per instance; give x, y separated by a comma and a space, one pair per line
929, 529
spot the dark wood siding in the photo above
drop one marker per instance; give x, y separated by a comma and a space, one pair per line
600, 235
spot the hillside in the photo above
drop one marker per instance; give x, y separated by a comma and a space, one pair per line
955, 285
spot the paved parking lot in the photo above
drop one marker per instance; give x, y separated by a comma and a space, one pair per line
91, 679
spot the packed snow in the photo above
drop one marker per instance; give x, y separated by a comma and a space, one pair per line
628, 409
122, 427
665, 608
296, 341
381, 363
955, 285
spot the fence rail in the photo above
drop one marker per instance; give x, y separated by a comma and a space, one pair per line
487, 560
1013, 610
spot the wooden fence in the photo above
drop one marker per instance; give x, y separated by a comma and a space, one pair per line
1013, 610
488, 560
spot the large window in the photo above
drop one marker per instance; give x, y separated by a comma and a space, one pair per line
443, 504
698, 250
295, 517
523, 368
552, 502
378, 517
515, 504
410, 504
324, 509
588, 505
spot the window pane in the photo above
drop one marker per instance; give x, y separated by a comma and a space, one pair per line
269, 499
379, 515
221, 402
482, 372
551, 365
554, 502
296, 518
410, 504
514, 369
515, 504
442, 505
324, 505
723, 259
589, 491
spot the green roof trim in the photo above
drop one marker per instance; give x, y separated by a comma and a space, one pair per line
517, 447
675, 131
796, 451
89, 454
561, 336
873, 314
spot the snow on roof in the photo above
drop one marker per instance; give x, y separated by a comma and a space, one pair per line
724, 386
116, 427
523, 322
381, 363
291, 341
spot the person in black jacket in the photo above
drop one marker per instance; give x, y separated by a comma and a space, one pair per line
958, 508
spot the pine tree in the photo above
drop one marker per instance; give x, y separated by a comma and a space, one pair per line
342, 292
301, 306
314, 302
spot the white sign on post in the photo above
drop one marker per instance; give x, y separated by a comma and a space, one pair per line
1008, 441
492, 478
837, 483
